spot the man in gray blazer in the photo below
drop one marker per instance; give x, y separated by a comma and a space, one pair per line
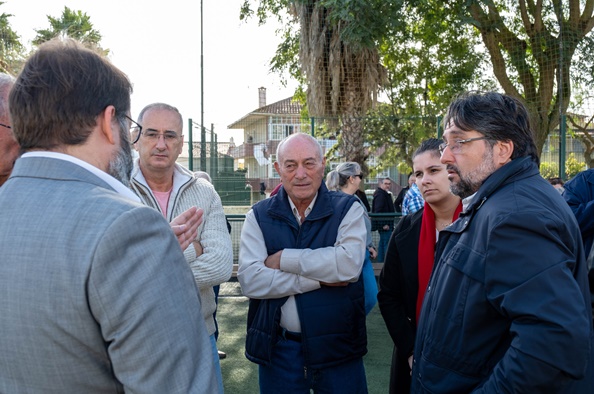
96, 296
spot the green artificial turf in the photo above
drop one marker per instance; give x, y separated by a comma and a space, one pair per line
241, 376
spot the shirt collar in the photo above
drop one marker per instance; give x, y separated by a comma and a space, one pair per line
307, 210
118, 186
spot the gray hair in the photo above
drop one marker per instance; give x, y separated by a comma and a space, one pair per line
337, 178
161, 106
6, 82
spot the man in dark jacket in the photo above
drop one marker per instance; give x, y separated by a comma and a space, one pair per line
507, 308
579, 194
382, 203
300, 261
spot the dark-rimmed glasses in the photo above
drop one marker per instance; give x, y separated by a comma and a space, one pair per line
456, 146
360, 176
133, 127
5, 125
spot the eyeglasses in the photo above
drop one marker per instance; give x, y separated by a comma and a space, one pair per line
168, 136
5, 125
360, 176
456, 146
133, 127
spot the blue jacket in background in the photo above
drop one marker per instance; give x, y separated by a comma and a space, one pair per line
332, 318
507, 308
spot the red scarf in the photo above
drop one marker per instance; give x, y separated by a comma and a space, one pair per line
427, 242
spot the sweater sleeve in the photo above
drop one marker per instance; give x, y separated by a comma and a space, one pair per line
215, 265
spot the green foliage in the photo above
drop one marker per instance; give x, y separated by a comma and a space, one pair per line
573, 166
549, 169
74, 24
11, 49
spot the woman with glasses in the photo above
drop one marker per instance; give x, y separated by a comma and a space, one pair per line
346, 178
409, 259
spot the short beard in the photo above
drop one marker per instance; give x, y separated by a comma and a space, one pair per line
120, 167
471, 182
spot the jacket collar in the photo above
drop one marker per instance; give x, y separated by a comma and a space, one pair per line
517, 169
323, 207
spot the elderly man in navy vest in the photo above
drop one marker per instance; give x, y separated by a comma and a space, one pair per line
300, 260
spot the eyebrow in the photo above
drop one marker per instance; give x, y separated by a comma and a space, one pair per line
164, 131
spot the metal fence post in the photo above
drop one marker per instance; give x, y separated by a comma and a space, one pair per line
190, 146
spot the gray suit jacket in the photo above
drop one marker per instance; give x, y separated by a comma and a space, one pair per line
95, 294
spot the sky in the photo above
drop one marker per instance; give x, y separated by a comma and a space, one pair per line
158, 46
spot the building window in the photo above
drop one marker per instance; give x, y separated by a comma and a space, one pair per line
283, 126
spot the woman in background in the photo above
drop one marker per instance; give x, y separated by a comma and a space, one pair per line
346, 178
409, 259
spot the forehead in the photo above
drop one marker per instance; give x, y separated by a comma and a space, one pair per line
426, 160
299, 149
158, 118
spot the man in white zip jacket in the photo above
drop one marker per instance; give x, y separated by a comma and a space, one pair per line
170, 188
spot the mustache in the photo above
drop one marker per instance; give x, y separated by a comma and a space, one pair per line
453, 168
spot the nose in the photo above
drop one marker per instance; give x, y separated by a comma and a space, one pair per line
446, 156
300, 173
161, 141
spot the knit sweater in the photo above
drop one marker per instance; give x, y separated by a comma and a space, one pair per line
215, 265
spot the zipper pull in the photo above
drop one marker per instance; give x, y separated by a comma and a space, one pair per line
305, 372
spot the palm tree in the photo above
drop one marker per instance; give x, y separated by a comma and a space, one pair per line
73, 24
343, 76
10, 46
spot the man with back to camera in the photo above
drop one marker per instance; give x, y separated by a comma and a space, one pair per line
171, 189
300, 259
96, 295
507, 308
9, 148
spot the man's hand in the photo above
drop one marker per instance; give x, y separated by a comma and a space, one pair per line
372, 252
273, 261
185, 226
386, 227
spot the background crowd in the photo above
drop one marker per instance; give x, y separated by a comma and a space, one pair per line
110, 263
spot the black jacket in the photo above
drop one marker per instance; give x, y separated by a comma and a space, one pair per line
507, 308
397, 297
382, 203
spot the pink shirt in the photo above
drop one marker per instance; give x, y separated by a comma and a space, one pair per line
163, 200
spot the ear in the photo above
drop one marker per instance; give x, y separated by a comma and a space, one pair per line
504, 151
277, 168
105, 120
181, 145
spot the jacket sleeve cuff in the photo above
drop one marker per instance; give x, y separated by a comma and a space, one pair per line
289, 261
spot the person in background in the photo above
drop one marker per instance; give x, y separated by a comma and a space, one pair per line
222, 355
347, 177
300, 262
409, 259
9, 148
507, 307
557, 184
579, 195
96, 295
382, 203
360, 193
402, 193
171, 189
413, 200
